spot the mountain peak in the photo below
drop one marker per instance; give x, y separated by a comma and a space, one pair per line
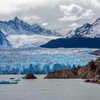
16, 18
18, 26
89, 30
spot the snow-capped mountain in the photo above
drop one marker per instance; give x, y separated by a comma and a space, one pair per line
87, 30
4, 43
87, 36
21, 34
18, 26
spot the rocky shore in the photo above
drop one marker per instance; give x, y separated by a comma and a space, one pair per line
90, 72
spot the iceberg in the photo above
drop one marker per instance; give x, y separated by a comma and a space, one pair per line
8, 82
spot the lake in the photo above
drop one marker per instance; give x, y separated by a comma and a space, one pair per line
41, 89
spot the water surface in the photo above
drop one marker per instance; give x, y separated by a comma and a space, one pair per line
40, 89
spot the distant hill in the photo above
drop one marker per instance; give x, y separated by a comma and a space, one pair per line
73, 43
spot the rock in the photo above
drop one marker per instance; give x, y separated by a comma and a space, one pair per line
87, 80
91, 80
95, 76
82, 72
98, 71
64, 74
91, 72
86, 74
91, 66
98, 81
88, 71
12, 78
30, 76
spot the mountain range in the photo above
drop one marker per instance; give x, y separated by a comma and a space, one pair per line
86, 36
20, 33
87, 30
18, 26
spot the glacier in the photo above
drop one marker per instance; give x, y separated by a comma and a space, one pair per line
42, 61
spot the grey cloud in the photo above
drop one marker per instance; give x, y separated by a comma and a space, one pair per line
48, 11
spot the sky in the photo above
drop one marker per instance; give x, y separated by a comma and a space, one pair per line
61, 15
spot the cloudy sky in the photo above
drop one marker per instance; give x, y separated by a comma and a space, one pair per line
61, 15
